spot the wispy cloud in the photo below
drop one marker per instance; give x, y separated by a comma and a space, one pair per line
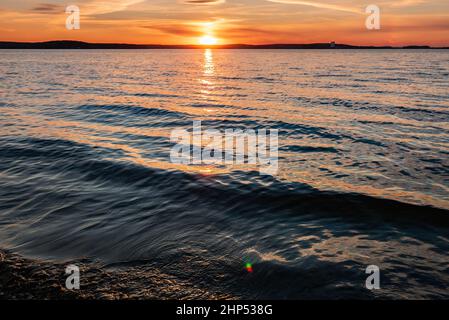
407, 3
321, 5
203, 2
175, 29
106, 6
48, 8
351, 6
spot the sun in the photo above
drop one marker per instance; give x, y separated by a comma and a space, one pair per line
208, 40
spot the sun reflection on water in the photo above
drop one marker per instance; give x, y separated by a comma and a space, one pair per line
207, 83
209, 67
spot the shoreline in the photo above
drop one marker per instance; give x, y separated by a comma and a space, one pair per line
71, 44
33, 279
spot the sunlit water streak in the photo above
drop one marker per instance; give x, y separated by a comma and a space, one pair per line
364, 144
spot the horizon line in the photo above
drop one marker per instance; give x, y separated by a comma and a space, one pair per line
62, 44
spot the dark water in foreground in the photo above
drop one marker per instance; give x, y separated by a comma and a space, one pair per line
363, 174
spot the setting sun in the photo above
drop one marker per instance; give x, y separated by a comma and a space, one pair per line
208, 40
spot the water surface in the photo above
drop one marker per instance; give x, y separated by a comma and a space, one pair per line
363, 170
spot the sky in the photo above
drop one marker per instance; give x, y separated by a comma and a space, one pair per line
403, 22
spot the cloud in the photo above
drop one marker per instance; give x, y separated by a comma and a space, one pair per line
247, 32
175, 29
418, 24
321, 5
90, 7
350, 6
48, 8
203, 2
188, 28
407, 3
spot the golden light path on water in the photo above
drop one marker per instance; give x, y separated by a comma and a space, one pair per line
214, 87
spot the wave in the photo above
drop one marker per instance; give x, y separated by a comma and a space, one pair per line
132, 110
243, 187
65, 200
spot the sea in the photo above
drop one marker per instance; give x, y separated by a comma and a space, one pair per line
362, 179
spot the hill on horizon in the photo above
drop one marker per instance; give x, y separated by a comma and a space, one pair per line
72, 44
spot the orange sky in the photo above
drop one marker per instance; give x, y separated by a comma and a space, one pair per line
403, 22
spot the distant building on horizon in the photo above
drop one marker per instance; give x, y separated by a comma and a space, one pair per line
332, 44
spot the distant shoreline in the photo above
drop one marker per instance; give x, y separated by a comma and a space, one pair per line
68, 44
